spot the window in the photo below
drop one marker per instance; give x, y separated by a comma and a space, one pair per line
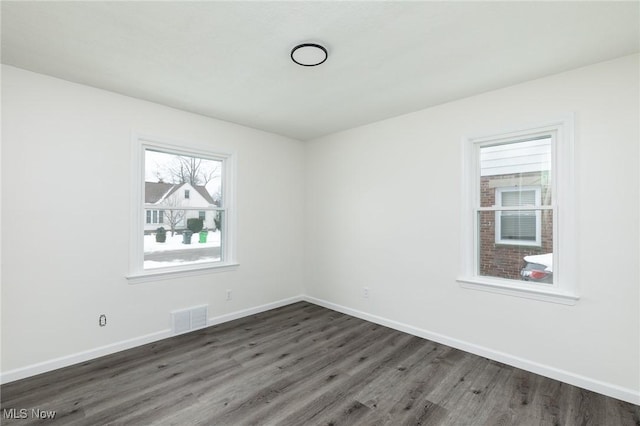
513, 233
175, 185
520, 227
154, 216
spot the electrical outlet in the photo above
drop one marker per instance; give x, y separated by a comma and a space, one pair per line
102, 320
228, 294
365, 292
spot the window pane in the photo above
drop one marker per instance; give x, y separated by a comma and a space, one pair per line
518, 226
518, 164
178, 248
508, 260
173, 182
518, 198
167, 173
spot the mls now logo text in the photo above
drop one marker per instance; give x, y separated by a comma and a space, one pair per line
23, 413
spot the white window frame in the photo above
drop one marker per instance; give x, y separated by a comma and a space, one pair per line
498, 222
564, 288
137, 273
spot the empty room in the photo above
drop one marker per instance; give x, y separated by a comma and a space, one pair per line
320, 213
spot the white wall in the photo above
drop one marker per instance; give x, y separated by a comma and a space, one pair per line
66, 185
383, 204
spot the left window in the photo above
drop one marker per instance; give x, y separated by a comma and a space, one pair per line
184, 210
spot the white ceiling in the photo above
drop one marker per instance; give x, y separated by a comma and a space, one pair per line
230, 60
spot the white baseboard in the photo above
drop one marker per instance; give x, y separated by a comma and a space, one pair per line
65, 361
251, 311
608, 389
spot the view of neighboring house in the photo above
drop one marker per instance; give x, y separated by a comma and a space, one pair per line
514, 175
165, 205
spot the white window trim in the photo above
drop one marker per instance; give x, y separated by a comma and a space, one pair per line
564, 290
498, 222
137, 273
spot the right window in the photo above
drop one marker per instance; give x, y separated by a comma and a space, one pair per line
512, 211
515, 183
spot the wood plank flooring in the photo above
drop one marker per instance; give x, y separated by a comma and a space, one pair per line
303, 365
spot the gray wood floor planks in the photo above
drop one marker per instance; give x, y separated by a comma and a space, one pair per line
304, 365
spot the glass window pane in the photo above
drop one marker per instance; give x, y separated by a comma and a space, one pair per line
173, 182
519, 258
181, 246
517, 164
169, 172
518, 226
518, 198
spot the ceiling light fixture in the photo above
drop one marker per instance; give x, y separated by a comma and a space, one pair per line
309, 54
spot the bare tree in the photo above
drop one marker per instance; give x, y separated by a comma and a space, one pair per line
172, 213
195, 171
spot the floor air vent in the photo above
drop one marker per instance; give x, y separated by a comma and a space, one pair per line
188, 319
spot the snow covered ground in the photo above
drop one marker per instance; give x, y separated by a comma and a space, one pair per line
173, 246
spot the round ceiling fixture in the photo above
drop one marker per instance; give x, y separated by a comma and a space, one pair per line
309, 54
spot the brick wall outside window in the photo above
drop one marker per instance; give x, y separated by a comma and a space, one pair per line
505, 260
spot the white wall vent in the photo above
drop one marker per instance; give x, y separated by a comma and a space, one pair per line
189, 319
198, 317
180, 321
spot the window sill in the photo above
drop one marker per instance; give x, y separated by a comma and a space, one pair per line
548, 294
157, 275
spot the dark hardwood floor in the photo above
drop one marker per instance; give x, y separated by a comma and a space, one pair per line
303, 365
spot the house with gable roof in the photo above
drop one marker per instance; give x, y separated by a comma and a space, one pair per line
165, 205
